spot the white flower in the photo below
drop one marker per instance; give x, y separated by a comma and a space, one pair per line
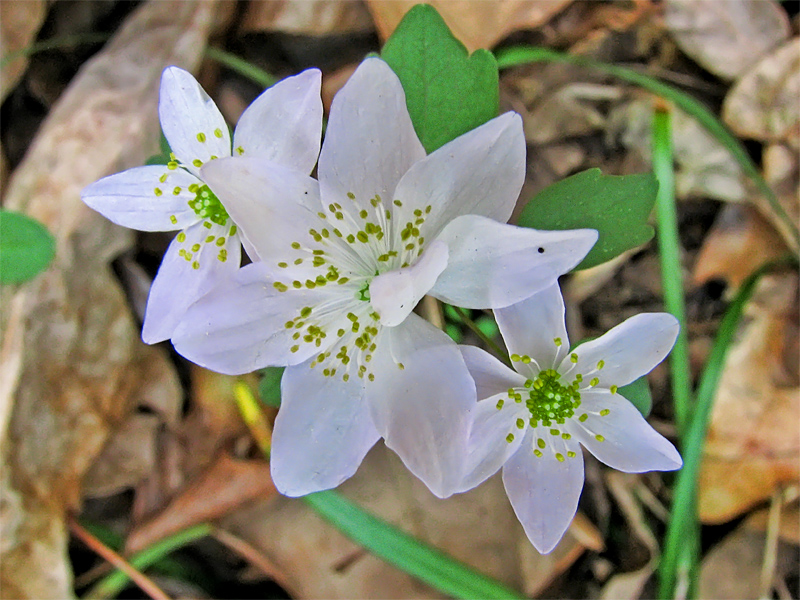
283, 125
344, 262
531, 422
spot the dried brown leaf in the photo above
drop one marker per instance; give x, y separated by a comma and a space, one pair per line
753, 440
782, 172
726, 38
72, 364
763, 103
476, 24
310, 17
20, 20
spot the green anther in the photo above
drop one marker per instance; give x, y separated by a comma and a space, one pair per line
573, 358
351, 238
218, 132
197, 163
181, 237
322, 215
297, 284
605, 412
296, 245
362, 237
583, 417
363, 294
528, 383
279, 286
549, 400
157, 191
566, 436
520, 423
207, 206
557, 342
599, 438
601, 364
510, 436
305, 311
560, 457
173, 219
594, 382
541, 443
283, 265
195, 247
351, 195
210, 239
571, 454
537, 453
613, 389
397, 203
515, 358
201, 137
500, 404
526, 359
363, 213
554, 432
298, 261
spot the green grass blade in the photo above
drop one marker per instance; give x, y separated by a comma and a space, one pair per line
670, 256
56, 43
408, 554
241, 66
521, 55
683, 517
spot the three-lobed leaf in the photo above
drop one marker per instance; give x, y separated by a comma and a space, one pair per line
448, 91
26, 247
616, 206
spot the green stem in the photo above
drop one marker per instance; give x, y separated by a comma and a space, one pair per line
502, 354
241, 66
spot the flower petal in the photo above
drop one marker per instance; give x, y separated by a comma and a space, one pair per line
322, 432
239, 327
191, 122
421, 408
531, 327
284, 124
191, 267
488, 448
493, 265
480, 172
628, 351
491, 376
628, 443
370, 141
270, 203
394, 294
139, 199
544, 492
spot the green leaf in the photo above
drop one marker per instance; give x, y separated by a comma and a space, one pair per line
408, 554
616, 206
269, 388
26, 247
638, 392
448, 92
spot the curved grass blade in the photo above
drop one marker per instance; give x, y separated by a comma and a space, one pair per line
521, 55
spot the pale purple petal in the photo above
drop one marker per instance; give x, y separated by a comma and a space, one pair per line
270, 203
143, 198
370, 141
240, 326
191, 267
395, 293
284, 124
535, 327
480, 172
491, 376
627, 442
628, 351
322, 431
544, 492
191, 122
421, 409
488, 447
493, 265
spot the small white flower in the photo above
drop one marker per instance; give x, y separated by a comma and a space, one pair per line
283, 125
344, 262
532, 422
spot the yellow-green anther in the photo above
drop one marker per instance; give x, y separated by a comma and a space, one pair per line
573, 358
599, 438
510, 438
541, 443
560, 457
613, 389
604, 412
201, 137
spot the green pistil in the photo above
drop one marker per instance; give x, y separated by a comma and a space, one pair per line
549, 401
207, 206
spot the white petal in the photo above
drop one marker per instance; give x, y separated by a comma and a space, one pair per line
139, 199
179, 283
422, 409
628, 351
480, 172
491, 376
488, 448
628, 443
493, 265
394, 294
531, 327
188, 115
544, 492
322, 431
240, 326
370, 141
284, 124
270, 203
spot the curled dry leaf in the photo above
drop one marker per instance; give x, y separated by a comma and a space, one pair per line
19, 23
476, 24
753, 438
310, 17
763, 103
726, 38
71, 362
782, 172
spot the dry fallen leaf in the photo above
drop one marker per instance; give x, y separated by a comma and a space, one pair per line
782, 172
753, 440
20, 20
726, 38
310, 17
763, 103
71, 362
476, 24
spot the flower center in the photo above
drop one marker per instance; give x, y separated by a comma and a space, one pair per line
206, 205
548, 400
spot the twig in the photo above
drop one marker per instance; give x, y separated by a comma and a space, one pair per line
252, 555
140, 579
